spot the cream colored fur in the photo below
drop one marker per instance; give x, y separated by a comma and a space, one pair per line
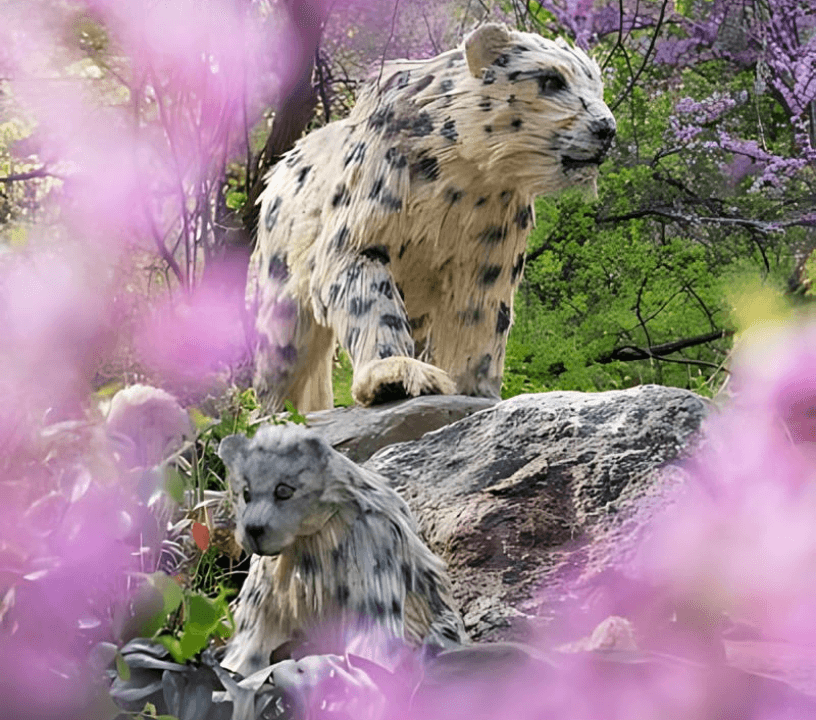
400, 231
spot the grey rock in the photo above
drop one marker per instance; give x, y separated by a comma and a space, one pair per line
359, 432
530, 498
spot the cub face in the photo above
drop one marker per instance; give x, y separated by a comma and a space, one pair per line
278, 483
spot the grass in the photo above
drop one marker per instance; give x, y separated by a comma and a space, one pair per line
341, 379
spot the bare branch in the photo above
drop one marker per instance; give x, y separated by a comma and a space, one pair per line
388, 41
322, 85
31, 175
165, 254
637, 310
619, 40
629, 353
430, 34
702, 305
758, 226
636, 76
465, 17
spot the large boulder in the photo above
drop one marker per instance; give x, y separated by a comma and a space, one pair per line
528, 498
359, 432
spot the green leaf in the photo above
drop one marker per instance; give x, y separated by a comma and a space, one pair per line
171, 591
109, 390
201, 421
147, 615
173, 647
201, 613
169, 595
122, 668
236, 199
294, 415
191, 642
174, 484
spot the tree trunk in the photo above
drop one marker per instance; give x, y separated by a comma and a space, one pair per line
292, 113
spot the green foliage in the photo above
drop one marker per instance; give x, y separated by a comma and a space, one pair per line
202, 619
638, 285
241, 414
236, 199
170, 596
184, 620
341, 380
185, 614
294, 415
595, 290
149, 711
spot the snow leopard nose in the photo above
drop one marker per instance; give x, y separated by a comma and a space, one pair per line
254, 532
604, 129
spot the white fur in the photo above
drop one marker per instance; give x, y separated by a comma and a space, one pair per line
400, 231
348, 564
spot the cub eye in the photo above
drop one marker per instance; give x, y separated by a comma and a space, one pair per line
247, 494
551, 83
283, 491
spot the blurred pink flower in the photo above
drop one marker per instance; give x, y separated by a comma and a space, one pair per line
56, 323
776, 375
742, 538
196, 338
72, 528
63, 565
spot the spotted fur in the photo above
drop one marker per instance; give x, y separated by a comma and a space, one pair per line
332, 544
400, 231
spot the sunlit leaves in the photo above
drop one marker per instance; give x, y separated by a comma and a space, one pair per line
204, 618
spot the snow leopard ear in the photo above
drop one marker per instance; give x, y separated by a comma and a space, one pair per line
232, 448
484, 45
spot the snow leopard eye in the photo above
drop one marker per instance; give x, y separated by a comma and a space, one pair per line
551, 82
247, 494
283, 491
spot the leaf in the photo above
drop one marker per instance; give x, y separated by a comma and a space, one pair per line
18, 236
109, 390
174, 484
201, 535
191, 642
201, 421
122, 668
173, 647
146, 615
170, 595
236, 199
294, 415
172, 592
201, 613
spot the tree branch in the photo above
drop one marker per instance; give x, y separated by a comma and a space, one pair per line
31, 175
388, 41
642, 67
764, 228
619, 40
628, 353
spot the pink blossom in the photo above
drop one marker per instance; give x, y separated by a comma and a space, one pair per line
741, 537
72, 524
196, 338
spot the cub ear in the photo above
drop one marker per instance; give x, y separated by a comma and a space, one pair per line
232, 448
484, 45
